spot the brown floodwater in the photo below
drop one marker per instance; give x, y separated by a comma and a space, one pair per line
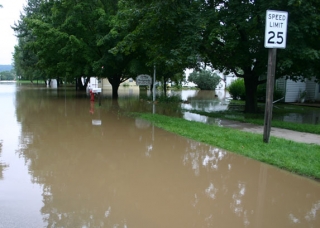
68, 162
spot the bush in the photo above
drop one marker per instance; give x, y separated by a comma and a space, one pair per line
261, 93
204, 79
237, 89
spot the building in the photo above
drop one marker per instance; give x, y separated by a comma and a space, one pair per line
296, 91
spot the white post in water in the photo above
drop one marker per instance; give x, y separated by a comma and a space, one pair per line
154, 89
154, 83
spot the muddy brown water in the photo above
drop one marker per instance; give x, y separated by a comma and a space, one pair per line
66, 162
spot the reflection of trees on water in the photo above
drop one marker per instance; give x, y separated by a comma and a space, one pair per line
311, 117
254, 197
61, 154
205, 101
2, 166
237, 204
81, 168
310, 216
207, 158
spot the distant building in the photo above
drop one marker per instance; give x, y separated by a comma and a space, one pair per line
293, 90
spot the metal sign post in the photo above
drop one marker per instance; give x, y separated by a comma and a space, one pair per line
275, 37
154, 89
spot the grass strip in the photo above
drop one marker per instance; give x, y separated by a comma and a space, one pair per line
299, 158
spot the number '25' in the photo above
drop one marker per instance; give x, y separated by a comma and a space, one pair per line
271, 40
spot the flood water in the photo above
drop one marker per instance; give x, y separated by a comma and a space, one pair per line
67, 162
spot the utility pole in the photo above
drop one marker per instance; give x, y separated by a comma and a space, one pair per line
275, 37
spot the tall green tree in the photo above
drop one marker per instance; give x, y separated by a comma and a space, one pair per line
26, 59
72, 39
233, 41
227, 35
165, 31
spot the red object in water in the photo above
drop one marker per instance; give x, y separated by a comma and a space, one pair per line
91, 96
91, 107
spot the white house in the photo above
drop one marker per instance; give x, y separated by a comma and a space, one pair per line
52, 83
292, 90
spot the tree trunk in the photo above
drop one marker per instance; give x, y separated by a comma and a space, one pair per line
115, 105
115, 83
165, 86
151, 87
115, 88
79, 85
251, 85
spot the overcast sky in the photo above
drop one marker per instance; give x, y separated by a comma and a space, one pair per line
9, 14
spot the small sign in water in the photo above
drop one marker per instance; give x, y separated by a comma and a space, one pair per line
143, 79
96, 90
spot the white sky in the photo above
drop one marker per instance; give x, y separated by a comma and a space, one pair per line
9, 14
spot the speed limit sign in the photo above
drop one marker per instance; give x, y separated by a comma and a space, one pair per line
276, 29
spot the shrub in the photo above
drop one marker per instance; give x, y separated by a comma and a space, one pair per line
204, 79
237, 89
261, 93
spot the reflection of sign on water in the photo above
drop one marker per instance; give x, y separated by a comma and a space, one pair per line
143, 79
142, 124
96, 122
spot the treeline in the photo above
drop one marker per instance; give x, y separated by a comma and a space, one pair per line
5, 68
7, 73
119, 39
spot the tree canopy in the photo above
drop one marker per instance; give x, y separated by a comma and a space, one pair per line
205, 79
229, 36
126, 37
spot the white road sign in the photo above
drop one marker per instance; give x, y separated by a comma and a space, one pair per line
143, 79
276, 29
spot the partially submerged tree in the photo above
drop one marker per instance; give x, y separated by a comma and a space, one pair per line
205, 79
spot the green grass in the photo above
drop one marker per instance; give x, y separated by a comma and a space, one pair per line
299, 158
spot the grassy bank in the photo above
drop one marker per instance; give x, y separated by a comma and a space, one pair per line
300, 158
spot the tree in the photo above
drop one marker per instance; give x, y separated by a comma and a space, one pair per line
234, 35
204, 79
227, 35
165, 31
71, 38
7, 75
77, 38
25, 53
